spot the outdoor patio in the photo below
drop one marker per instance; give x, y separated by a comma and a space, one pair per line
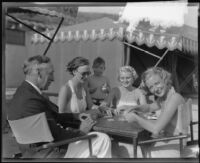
72, 32
9, 145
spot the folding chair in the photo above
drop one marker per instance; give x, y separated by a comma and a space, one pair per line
34, 130
192, 141
183, 123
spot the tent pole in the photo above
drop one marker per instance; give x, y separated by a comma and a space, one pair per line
141, 50
174, 72
161, 58
127, 56
53, 36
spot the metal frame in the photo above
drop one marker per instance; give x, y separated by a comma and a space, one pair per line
160, 58
189, 77
50, 4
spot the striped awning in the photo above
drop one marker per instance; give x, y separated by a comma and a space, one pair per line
100, 29
34, 10
12, 22
183, 38
36, 17
32, 16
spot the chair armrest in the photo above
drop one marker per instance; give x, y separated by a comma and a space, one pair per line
50, 94
194, 122
163, 139
63, 142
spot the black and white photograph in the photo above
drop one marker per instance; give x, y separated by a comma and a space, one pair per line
100, 81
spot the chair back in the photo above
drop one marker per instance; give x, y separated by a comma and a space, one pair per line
184, 117
32, 129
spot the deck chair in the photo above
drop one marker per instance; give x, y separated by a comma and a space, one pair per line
192, 141
183, 123
35, 130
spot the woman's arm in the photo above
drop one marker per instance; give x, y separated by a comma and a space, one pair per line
108, 84
88, 97
112, 97
142, 97
145, 108
64, 98
156, 126
88, 86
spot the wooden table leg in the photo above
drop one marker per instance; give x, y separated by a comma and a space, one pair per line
135, 143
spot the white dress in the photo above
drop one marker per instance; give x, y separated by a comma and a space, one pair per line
76, 105
167, 149
128, 98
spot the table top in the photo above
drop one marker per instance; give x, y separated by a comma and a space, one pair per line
115, 126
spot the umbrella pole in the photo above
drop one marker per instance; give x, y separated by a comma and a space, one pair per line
161, 58
29, 26
141, 50
53, 36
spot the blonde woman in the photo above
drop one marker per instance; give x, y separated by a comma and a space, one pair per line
158, 81
126, 95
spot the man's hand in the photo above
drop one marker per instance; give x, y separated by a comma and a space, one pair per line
94, 113
84, 116
86, 125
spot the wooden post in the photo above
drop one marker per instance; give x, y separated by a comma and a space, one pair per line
128, 51
174, 73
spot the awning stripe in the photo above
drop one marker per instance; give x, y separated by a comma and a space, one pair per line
160, 41
32, 23
35, 10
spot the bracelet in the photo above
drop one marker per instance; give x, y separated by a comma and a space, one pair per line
95, 107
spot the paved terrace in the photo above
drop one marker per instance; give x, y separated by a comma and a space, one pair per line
9, 145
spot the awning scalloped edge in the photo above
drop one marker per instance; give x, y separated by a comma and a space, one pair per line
170, 41
81, 35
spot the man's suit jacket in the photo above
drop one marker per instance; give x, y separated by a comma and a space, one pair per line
27, 101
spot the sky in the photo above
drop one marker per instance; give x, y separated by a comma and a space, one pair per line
189, 19
110, 10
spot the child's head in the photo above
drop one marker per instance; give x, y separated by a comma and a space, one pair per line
98, 66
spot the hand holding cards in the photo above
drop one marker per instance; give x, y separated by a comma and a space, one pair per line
84, 116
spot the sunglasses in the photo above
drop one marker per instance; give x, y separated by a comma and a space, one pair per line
88, 73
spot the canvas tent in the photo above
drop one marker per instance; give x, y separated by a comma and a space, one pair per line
21, 22
101, 37
168, 42
177, 45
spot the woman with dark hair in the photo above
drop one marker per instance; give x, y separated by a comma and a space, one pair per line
158, 81
73, 96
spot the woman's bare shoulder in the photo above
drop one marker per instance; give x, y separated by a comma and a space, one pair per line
65, 89
139, 91
175, 100
178, 97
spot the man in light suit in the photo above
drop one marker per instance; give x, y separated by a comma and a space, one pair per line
28, 100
